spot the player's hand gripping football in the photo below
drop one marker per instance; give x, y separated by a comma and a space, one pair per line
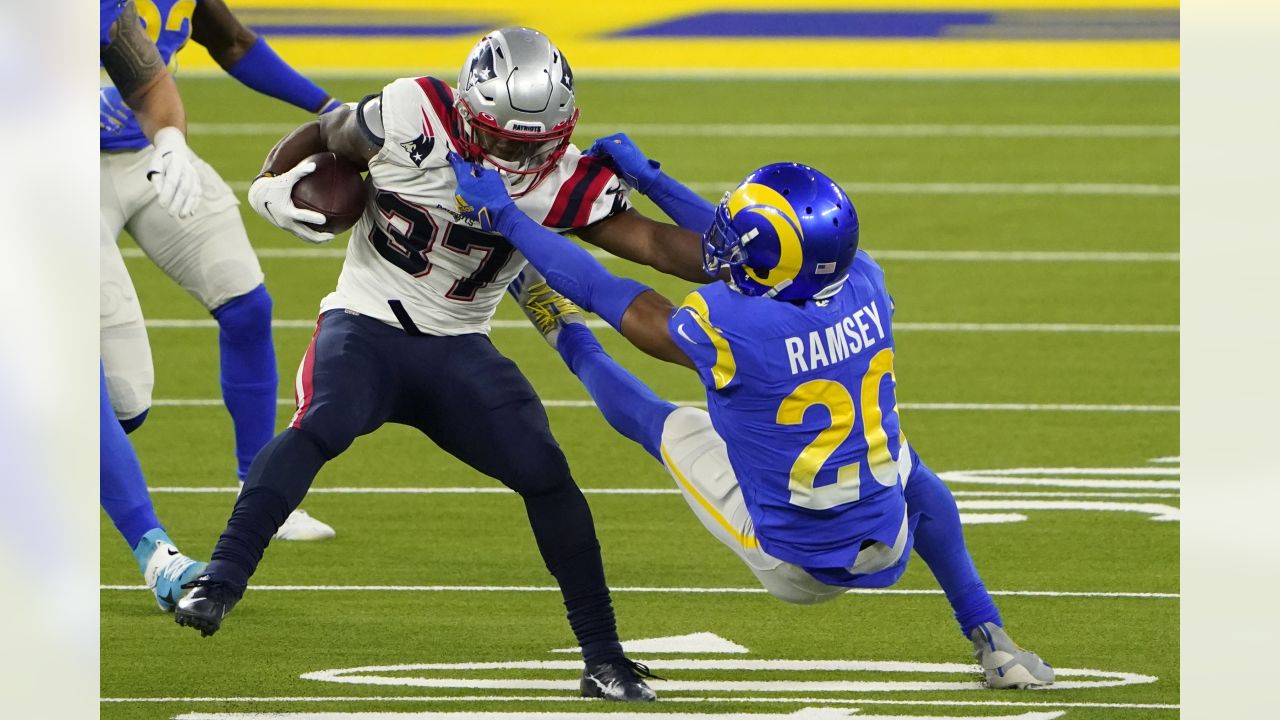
622, 154
481, 194
172, 171
272, 197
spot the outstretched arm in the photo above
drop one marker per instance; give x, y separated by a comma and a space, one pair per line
249, 59
666, 248
632, 308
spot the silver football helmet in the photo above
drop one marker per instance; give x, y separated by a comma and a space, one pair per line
515, 97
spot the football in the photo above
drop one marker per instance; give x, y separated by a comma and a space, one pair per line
334, 189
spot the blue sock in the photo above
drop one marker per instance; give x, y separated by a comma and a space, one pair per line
249, 377
123, 489
940, 543
627, 404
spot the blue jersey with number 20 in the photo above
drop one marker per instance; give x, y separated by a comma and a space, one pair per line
168, 24
803, 396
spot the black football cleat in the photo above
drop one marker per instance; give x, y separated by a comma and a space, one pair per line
619, 680
208, 602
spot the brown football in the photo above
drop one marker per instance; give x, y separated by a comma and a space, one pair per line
335, 189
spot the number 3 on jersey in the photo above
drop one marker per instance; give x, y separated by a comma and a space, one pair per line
836, 398
411, 233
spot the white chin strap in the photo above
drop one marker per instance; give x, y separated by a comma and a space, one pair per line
778, 288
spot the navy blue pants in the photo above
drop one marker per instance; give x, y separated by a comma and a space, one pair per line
459, 391
360, 373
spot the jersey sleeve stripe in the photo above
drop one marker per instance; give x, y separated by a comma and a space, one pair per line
374, 138
593, 187
555, 217
726, 367
441, 99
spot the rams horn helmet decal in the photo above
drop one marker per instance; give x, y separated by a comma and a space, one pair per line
787, 232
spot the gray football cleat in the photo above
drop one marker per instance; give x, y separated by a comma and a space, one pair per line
1004, 663
619, 680
548, 310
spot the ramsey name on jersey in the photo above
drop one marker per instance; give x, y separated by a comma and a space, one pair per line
412, 249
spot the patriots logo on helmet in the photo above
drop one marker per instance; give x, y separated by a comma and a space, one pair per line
567, 78
420, 147
482, 67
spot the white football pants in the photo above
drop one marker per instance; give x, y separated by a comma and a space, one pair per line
696, 456
208, 254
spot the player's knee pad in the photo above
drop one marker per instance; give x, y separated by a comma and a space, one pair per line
130, 377
246, 318
135, 422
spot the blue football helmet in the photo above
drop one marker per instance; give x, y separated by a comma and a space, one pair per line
786, 232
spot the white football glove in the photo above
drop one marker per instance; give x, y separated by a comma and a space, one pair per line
173, 172
272, 198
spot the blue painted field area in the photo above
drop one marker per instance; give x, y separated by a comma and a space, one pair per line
1008, 25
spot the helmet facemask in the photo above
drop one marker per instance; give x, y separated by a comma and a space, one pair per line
721, 245
514, 152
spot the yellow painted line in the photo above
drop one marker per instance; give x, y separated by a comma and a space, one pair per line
747, 541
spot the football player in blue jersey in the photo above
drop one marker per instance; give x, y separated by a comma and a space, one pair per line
208, 252
135, 67
800, 465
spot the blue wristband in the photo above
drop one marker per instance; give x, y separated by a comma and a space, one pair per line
265, 71
686, 207
568, 268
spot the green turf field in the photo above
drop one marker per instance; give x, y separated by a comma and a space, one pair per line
1036, 281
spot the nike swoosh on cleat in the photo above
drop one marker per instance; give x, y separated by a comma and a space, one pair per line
172, 551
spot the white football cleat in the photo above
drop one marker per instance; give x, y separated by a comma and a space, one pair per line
548, 310
1006, 665
301, 526
164, 569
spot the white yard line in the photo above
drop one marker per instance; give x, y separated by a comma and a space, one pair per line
231, 490
1052, 328
1053, 256
665, 700
947, 188
661, 590
786, 130
934, 406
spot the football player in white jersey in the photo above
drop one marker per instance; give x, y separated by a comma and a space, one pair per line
404, 338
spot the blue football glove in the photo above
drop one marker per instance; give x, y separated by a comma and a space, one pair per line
622, 154
481, 194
